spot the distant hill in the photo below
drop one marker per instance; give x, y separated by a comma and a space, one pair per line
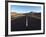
30, 13
33, 14
16, 14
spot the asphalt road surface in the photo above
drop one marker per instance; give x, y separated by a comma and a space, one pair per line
19, 24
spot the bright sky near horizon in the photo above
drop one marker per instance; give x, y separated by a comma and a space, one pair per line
25, 9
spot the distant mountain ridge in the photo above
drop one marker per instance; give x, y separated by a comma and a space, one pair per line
20, 14
16, 15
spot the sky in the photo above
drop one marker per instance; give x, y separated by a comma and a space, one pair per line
25, 9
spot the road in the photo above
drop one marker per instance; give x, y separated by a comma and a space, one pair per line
19, 24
